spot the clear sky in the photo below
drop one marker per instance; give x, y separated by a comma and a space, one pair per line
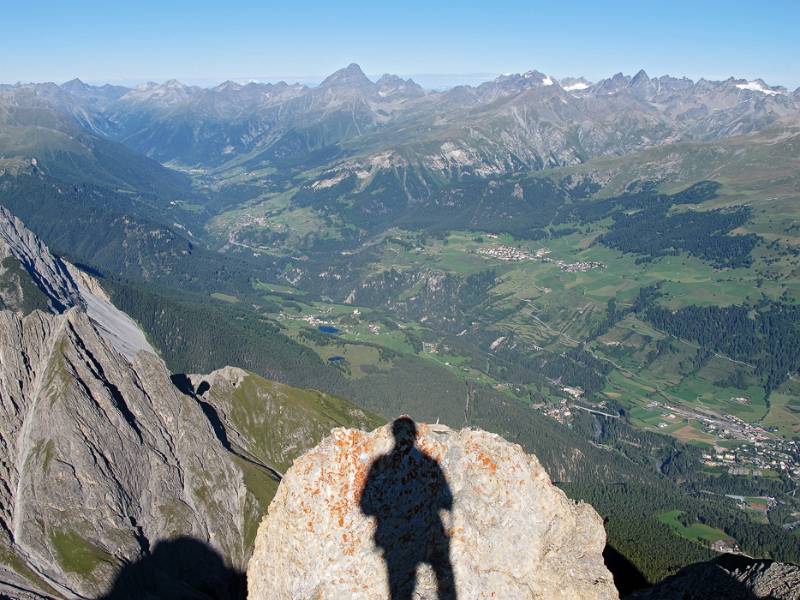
202, 41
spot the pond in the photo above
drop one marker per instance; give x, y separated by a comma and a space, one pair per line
328, 329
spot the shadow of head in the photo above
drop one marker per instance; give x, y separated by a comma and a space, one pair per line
404, 431
178, 569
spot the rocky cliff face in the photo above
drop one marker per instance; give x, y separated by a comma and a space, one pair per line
101, 457
110, 474
31, 277
48, 272
465, 512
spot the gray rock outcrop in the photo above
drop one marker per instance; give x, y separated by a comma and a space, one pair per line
115, 326
102, 457
728, 577
61, 286
365, 511
48, 272
113, 479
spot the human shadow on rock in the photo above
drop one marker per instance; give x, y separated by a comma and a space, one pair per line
182, 568
405, 491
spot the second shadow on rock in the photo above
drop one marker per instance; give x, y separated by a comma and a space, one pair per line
179, 569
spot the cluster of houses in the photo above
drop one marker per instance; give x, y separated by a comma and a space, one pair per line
757, 452
579, 267
560, 412
725, 547
782, 456
512, 254
506, 253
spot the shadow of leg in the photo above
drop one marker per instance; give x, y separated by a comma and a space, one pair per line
402, 577
443, 569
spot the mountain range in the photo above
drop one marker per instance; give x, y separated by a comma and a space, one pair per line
529, 120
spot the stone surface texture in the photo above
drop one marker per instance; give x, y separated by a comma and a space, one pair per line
513, 534
102, 457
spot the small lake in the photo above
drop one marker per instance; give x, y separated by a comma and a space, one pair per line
335, 359
328, 329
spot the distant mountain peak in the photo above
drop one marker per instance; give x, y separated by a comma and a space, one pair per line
394, 85
228, 85
74, 84
531, 75
387, 78
539, 77
354, 68
758, 85
351, 76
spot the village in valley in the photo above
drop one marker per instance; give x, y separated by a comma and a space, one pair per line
512, 254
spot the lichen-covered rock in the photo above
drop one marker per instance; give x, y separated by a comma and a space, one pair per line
365, 511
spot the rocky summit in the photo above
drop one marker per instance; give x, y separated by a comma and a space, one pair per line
425, 512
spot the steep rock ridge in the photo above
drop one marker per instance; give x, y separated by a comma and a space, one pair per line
115, 326
48, 272
62, 286
512, 534
102, 457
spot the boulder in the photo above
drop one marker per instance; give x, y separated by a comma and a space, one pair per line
425, 512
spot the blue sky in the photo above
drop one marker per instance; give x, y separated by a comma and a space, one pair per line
208, 42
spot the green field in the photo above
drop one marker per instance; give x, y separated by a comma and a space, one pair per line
695, 532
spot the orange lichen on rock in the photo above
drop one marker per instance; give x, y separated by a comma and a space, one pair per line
343, 508
481, 458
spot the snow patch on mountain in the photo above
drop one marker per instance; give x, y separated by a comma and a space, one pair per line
573, 87
757, 86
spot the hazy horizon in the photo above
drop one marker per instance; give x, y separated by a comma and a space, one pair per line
203, 41
429, 81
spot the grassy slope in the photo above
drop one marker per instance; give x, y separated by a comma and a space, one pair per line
270, 424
